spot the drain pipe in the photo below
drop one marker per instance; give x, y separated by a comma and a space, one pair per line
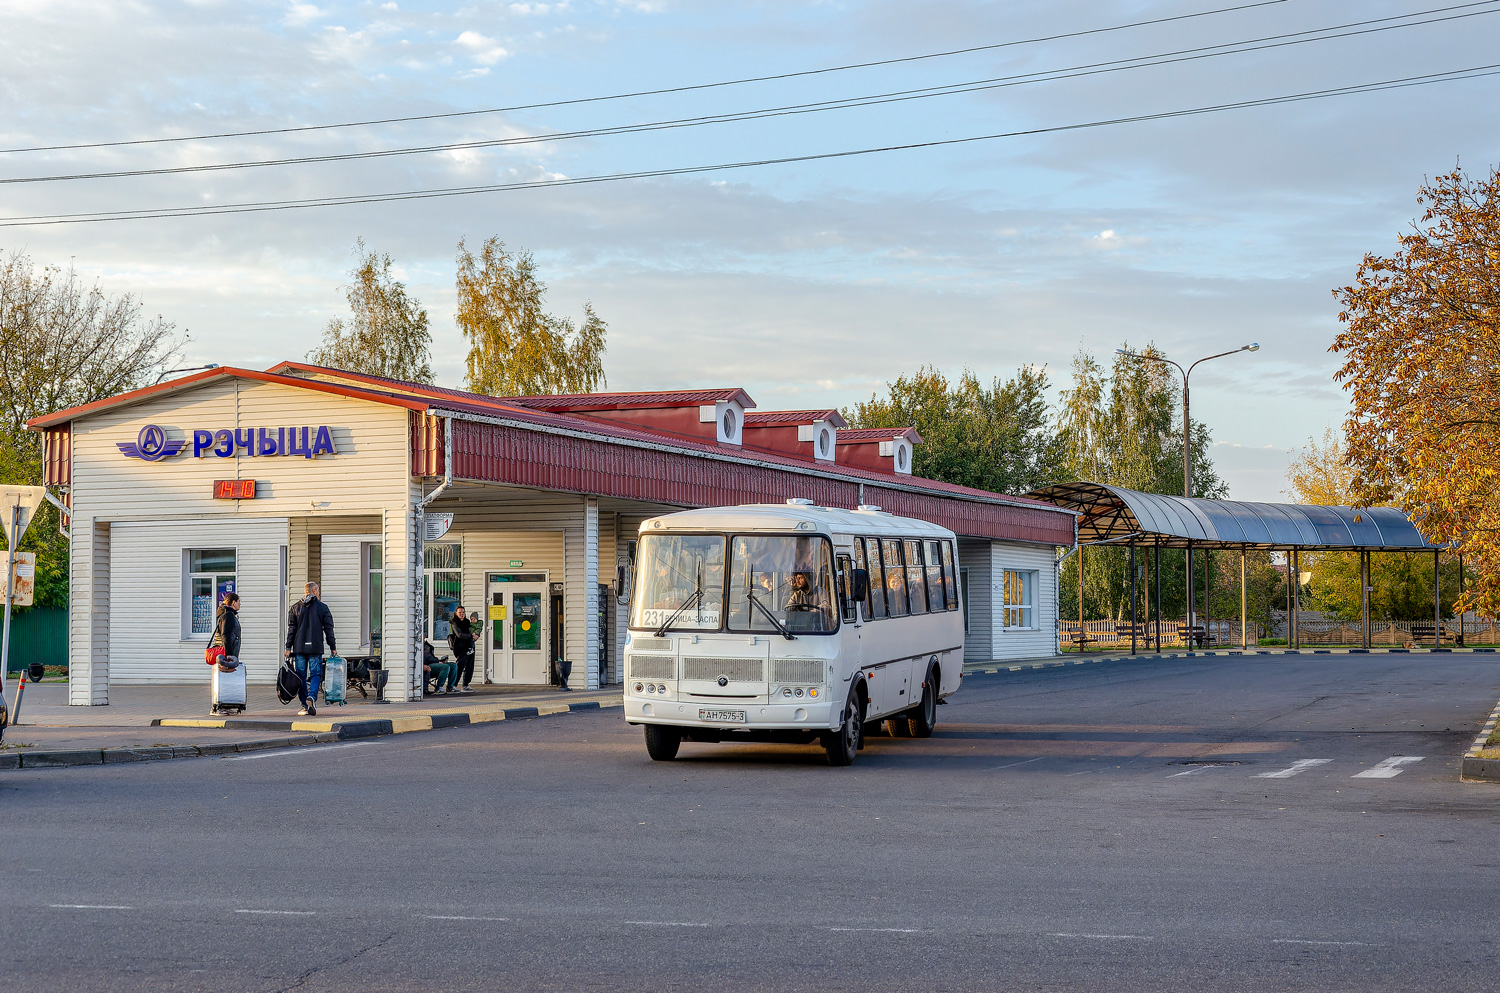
447, 465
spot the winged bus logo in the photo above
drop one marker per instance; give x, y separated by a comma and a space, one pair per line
151, 444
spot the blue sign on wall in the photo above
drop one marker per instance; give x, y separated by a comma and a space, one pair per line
152, 444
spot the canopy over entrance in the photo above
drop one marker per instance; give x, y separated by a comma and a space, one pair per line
1115, 515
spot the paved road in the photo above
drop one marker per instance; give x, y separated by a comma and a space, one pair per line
1106, 827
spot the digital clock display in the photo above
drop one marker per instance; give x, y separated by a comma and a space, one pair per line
234, 489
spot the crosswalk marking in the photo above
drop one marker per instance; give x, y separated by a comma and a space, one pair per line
1387, 768
1301, 765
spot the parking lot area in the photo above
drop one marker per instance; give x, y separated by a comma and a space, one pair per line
1176, 824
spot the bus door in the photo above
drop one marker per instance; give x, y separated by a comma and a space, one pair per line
851, 627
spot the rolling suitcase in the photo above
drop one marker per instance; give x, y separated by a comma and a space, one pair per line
229, 690
335, 680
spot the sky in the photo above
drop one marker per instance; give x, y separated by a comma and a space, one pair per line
808, 283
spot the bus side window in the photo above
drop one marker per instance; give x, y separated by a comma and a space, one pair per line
875, 602
847, 607
895, 576
933, 560
950, 588
916, 579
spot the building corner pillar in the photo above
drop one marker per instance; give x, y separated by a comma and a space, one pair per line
591, 632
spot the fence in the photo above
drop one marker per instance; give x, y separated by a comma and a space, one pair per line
1115, 635
38, 635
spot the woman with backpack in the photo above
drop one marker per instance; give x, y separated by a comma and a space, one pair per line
461, 640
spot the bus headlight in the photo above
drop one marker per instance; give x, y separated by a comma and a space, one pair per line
812, 693
650, 687
786, 691
640, 688
661, 688
797, 691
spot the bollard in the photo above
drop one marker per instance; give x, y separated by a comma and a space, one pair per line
15, 716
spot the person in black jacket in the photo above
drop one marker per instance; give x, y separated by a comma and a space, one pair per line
461, 640
307, 624
227, 634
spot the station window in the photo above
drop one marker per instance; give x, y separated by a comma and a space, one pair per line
1020, 599
442, 587
209, 576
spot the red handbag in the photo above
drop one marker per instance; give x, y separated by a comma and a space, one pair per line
212, 655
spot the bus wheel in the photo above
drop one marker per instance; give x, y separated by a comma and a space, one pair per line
842, 745
924, 718
662, 742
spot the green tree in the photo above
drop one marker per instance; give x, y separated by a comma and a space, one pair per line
515, 347
63, 344
387, 333
995, 437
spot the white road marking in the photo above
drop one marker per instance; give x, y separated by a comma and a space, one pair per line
1306, 941
668, 924
882, 930
88, 906
1301, 765
445, 917
1101, 937
293, 913
1194, 771
1387, 768
302, 750
1012, 765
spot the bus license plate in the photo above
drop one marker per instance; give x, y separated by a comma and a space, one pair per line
722, 716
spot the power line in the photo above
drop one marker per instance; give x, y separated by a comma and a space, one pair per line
649, 93
1475, 72
1117, 65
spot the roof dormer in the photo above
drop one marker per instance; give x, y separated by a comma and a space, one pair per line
805, 434
713, 416
881, 449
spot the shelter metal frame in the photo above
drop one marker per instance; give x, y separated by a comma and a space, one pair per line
1113, 515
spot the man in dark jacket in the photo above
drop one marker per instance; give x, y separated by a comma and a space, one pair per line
307, 624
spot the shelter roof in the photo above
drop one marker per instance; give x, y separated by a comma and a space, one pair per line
1113, 514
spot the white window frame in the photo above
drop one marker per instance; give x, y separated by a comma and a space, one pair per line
364, 591
187, 633
1025, 608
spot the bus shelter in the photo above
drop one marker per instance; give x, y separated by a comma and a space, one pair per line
1113, 515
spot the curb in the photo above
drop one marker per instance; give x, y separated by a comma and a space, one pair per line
1474, 769
313, 733
973, 668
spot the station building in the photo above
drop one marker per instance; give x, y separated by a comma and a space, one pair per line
405, 500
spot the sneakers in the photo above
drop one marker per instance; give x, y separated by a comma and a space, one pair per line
312, 711
466, 689
302, 712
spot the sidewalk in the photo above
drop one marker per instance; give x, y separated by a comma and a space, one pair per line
172, 721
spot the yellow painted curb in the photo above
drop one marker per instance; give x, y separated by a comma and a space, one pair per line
400, 725
190, 723
312, 725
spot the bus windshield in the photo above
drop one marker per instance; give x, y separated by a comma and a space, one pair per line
781, 581
682, 575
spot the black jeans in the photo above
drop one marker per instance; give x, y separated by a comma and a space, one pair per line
463, 655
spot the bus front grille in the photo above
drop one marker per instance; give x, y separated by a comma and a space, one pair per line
653, 667
651, 644
797, 671
736, 670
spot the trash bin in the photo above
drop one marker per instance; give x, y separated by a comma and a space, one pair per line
36, 671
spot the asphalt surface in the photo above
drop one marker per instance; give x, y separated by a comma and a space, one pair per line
1105, 827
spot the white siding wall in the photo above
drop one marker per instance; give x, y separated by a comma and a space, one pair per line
146, 598
979, 642
369, 474
1041, 639
342, 588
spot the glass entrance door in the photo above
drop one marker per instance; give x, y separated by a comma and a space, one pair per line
516, 630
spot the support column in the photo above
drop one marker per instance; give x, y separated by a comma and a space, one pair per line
1082, 637
1364, 599
1208, 607
1132, 600
405, 613
1191, 594
1437, 602
591, 632
1295, 640
88, 615
1244, 607
1156, 578
1460, 597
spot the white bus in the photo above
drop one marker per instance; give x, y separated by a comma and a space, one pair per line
791, 623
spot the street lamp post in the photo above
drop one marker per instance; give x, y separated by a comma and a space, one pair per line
1187, 443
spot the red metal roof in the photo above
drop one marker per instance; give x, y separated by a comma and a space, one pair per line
505, 442
831, 415
632, 401
859, 436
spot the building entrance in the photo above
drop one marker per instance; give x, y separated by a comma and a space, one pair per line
515, 628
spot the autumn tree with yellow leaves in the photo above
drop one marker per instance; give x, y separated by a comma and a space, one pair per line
1421, 349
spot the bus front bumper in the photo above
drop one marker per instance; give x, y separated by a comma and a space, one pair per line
727, 716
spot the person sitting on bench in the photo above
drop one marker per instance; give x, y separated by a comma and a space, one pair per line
438, 670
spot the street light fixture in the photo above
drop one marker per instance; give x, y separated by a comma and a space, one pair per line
1187, 441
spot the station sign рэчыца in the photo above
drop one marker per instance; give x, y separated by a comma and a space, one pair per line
153, 444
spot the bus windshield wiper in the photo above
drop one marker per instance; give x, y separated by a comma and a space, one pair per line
750, 595
693, 598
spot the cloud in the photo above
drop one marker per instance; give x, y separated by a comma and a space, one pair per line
481, 49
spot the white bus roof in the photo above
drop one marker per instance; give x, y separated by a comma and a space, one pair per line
784, 517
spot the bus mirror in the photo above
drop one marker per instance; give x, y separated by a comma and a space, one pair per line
861, 585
